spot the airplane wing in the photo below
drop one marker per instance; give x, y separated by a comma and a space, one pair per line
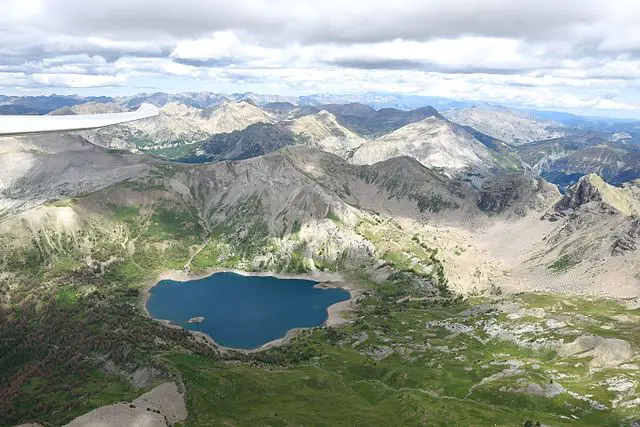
18, 125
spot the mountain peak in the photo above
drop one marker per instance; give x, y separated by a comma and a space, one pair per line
89, 108
178, 109
592, 188
247, 101
505, 124
355, 109
434, 142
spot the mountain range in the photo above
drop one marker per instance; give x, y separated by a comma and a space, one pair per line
479, 281
511, 126
298, 184
237, 130
564, 160
477, 139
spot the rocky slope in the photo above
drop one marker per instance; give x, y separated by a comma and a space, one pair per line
41, 168
295, 205
297, 185
516, 194
371, 123
508, 125
434, 142
585, 243
320, 131
598, 230
564, 160
179, 125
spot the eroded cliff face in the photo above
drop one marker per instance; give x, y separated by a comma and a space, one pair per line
591, 192
516, 193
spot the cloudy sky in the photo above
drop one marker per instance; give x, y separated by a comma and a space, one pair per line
574, 55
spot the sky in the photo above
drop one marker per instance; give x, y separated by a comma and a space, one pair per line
571, 55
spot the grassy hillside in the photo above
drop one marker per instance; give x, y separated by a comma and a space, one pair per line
415, 363
72, 331
74, 336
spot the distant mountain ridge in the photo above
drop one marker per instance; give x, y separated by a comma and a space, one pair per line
321, 131
371, 123
436, 142
508, 125
564, 161
240, 129
178, 125
251, 124
45, 104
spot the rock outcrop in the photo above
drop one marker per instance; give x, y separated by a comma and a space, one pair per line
629, 240
164, 405
178, 125
604, 352
517, 192
591, 189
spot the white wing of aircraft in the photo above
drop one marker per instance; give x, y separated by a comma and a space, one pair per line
19, 125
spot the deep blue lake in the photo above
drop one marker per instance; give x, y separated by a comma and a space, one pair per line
243, 311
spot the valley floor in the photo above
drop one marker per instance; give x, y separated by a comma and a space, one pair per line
514, 257
554, 359
524, 263
502, 362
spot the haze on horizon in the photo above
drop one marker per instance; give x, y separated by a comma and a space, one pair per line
577, 55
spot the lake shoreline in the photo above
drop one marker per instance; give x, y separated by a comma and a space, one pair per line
336, 313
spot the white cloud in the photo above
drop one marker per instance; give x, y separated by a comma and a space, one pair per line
133, 65
571, 54
76, 80
222, 44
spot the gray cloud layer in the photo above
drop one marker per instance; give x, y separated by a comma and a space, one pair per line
576, 54
326, 21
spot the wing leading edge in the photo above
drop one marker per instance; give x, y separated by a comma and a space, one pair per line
19, 125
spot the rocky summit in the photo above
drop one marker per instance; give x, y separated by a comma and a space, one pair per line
434, 142
508, 125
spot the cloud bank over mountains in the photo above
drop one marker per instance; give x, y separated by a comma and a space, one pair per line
581, 55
